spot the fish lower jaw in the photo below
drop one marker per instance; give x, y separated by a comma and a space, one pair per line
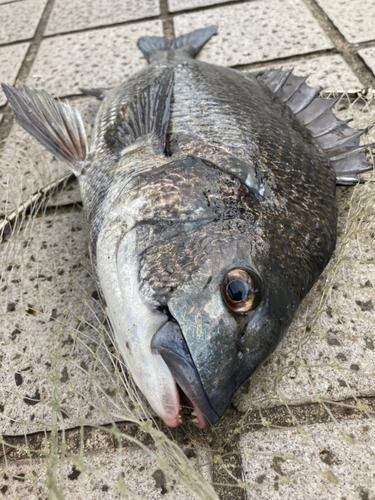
198, 418
177, 417
175, 421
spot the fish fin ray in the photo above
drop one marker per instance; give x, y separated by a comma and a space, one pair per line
340, 143
191, 43
55, 125
99, 93
146, 115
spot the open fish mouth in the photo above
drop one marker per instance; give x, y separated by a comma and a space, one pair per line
170, 344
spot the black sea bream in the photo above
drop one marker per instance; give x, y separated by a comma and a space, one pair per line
210, 201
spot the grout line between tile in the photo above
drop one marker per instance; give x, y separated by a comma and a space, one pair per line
348, 51
7, 121
10, 1
168, 26
288, 59
103, 27
208, 7
164, 15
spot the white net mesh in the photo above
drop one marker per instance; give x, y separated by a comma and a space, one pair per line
75, 426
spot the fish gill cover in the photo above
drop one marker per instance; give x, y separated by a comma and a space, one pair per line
73, 423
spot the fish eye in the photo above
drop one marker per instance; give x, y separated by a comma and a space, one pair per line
241, 290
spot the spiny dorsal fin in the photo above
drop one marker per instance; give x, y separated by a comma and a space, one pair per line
146, 114
338, 141
190, 43
55, 125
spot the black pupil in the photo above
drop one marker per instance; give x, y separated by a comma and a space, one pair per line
237, 291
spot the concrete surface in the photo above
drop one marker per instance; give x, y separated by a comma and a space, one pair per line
354, 19
79, 14
318, 461
104, 59
368, 55
99, 475
19, 20
11, 59
255, 31
176, 5
40, 319
327, 71
303, 426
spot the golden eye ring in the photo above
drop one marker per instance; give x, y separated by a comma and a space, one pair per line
241, 290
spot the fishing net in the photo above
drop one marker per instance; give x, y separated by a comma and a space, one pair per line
73, 423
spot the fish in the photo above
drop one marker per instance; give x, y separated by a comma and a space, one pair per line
210, 201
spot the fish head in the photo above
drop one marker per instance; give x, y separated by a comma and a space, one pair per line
200, 291
231, 315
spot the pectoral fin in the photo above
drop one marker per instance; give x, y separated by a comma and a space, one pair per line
55, 125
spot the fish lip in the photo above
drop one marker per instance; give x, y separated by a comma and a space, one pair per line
170, 344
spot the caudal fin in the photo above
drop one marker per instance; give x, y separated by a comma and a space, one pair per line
191, 43
57, 126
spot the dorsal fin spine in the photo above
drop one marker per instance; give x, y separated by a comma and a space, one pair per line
349, 138
282, 81
348, 157
296, 89
328, 108
328, 130
353, 151
308, 101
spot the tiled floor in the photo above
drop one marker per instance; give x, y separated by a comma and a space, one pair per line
308, 436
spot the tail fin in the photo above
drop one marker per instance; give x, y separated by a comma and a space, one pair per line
56, 126
191, 43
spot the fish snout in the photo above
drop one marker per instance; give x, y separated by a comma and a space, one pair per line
170, 344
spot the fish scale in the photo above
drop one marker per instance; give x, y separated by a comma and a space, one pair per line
214, 113
210, 203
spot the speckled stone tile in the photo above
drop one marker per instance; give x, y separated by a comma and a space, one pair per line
70, 194
368, 55
330, 461
9, 1
176, 5
100, 58
19, 20
354, 19
97, 476
255, 31
330, 71
11, 59
54, 344
25, 166
80, 14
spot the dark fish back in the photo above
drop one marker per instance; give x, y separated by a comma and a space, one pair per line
238, 127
